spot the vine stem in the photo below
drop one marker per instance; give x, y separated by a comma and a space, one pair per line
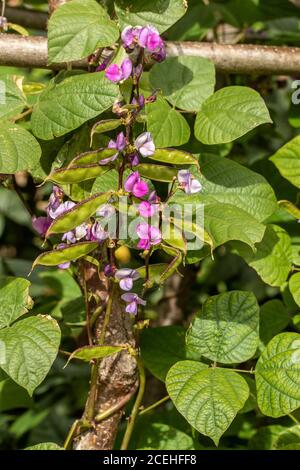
22, 115
90, 404
238, 370
293, 418
136, 406
154, 405
3, 7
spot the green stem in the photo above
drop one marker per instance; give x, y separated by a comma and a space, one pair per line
293, 418
136, 406
238, 370
154, 405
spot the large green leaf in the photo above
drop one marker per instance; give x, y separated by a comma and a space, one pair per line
160, 13
15, 100
272, 259
230, 113
277, 376
294, 285
227, 182
65, 105
161, 347
208, 398
31, 346
15, 300
19, 150
77, 28
226, 330
167, 126
287, 161
161, 436
227, 222
195, 81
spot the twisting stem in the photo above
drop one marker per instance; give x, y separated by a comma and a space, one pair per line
293, 418
22, 115
136, 406
90, 404
87, 308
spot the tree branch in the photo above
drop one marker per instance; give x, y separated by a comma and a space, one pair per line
31, 51
27, 18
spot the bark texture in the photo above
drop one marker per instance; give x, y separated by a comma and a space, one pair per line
117, 374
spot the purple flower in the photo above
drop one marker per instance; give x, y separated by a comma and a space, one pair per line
130, 36
144, 144
148, 235
134, 159
126, 277
135, 185
55, 200
146, 209
61, 209
133, 300
149, 38
41, 224
106, 210
188, 183
109, 270
117, 74
118, 144
76, 234
97, 233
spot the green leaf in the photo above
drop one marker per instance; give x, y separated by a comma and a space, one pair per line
162, 347
165, 174
230, 113
76, 174
287, 161
11, 87
19, 150
226, 330
277, 376
161, 436
272, 259
64, 255
77, 28
78, 214
227, 222
45, 446
15, 300
275, 437
65, 105
13, 396
31, 346
227, 182
273, 319
195, 81
167, 126
209, 399
173, 157
87, 353
159, 13
294, 286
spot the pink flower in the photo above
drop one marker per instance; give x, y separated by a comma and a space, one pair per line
117, 74
126, 277
118, 144
149, 38
135, 185
133, 300
130, 36
188, 183
55, 200
144, 144
97, 233
149, 236
146, 209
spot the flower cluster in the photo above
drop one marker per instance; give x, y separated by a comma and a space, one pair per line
146, 38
